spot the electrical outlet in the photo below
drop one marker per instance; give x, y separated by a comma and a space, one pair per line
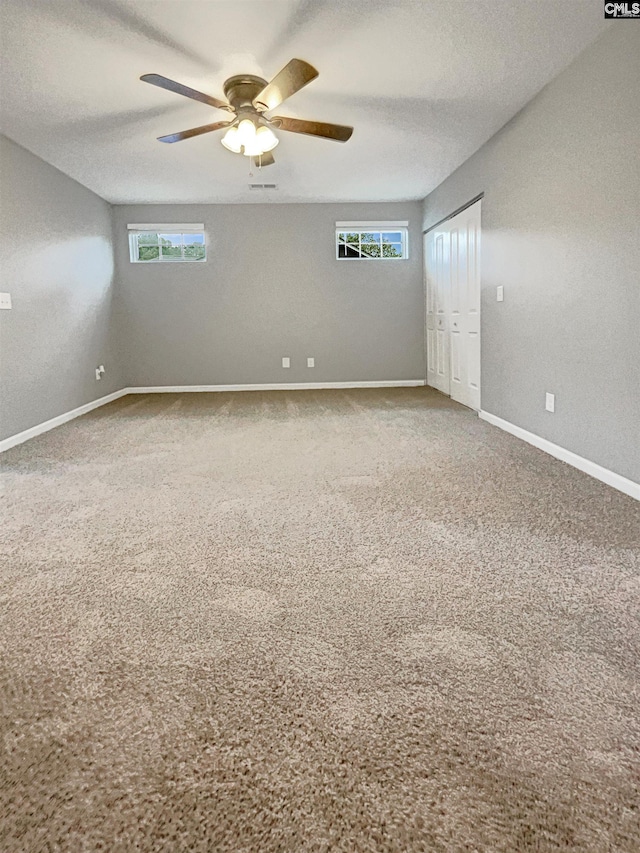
311, 362
5, 301
500, 293
286, 361
550, 402
98, 374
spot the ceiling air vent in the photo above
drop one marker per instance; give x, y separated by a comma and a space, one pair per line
263, 187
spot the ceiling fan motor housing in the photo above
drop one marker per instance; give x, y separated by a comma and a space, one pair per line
241, 90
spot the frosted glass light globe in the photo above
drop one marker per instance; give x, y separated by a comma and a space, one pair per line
246, 132
267, 139
230, 140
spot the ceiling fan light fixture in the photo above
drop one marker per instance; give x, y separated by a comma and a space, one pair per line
245, 139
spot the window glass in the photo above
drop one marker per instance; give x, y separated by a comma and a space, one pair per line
369, 244
169, 246
370, 249
148, 253
194, 251
148, 239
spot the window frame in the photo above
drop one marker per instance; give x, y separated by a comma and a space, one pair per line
377, 227
135, 230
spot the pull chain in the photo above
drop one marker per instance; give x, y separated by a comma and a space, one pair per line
259, 158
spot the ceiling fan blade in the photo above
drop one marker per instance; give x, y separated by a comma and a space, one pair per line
339, 132
287, 82
179, 89
194, 131
266, 159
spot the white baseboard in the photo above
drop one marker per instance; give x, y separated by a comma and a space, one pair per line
32, 432
280, 386
20, 437
617, 481
629, 487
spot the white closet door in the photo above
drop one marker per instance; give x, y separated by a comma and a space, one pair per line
437, 291
452, 262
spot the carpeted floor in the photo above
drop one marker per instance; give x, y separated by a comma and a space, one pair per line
314, 621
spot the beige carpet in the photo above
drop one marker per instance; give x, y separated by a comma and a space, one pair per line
314, 621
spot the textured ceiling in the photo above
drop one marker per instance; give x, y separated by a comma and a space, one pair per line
424, 83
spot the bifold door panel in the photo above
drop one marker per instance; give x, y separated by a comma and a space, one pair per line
437, 248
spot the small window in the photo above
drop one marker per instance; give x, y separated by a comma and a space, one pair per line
167, 244
358, 241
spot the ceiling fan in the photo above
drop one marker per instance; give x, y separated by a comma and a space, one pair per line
250, 99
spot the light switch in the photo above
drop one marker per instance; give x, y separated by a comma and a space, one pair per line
286, 361
5, 301
311, 362
500, 293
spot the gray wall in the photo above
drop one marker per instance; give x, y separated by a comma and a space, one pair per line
56, 260
271, 287
560, 231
